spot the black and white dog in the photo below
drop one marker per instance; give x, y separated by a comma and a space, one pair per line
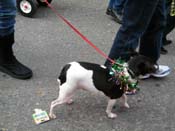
95, 78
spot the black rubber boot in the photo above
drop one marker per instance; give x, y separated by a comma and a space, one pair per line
8, 62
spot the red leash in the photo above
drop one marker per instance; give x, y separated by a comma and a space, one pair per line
79, 33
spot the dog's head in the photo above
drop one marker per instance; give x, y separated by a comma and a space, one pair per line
141, 65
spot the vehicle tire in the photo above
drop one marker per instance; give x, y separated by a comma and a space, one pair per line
43, 3
27, 7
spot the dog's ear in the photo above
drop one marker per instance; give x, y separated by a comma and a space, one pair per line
141, 65
143, 68
146, 66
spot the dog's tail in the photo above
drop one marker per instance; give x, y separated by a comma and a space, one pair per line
59, 82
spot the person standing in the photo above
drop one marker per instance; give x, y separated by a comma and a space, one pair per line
170, 24
8, 62
143, 20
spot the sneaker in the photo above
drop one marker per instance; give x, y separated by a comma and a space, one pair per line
161, 72
166, 42
117, 17
108, 11
163, 51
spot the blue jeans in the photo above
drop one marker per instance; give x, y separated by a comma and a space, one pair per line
117, 5
7, 17
144, 20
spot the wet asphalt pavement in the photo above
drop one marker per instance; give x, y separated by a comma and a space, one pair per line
45, 43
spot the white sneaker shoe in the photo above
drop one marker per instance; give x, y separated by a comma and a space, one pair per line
161, 72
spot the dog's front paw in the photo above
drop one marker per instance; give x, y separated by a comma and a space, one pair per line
52, 116
111, 115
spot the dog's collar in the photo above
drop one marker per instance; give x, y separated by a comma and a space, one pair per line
118, 71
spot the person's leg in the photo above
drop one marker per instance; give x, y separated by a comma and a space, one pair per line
170, 24
111, 4
7, 17
8, 63
151, 41
119, 6
136, 18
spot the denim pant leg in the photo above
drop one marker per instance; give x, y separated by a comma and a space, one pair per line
151, 41
7, 17
111, 4
119, 5
136, 18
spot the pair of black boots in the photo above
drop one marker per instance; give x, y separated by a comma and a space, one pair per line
8, 62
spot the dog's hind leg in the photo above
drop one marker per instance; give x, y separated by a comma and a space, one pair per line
111, 103
65, 94
124, 101
53, 104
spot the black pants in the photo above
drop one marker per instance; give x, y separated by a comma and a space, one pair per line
170, 23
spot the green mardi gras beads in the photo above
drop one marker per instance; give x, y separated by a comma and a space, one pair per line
119, 67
